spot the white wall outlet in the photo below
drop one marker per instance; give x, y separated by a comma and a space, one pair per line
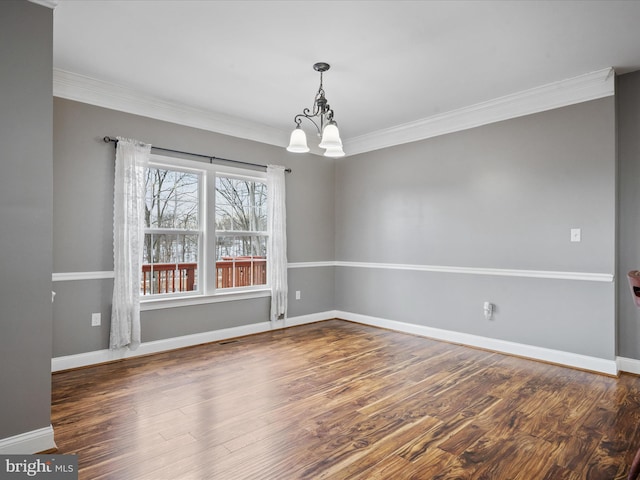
297, 294
576, 235
96, 319
488, 308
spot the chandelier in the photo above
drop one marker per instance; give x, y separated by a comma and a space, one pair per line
324, 123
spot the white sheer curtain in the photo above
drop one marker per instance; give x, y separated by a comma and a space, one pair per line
277, 243
132, 157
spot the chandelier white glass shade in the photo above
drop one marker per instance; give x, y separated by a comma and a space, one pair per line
298, 142
324, 123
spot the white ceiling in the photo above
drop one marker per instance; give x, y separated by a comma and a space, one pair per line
392, 62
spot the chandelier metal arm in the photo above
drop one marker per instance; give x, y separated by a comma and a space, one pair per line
305, 114
321, 109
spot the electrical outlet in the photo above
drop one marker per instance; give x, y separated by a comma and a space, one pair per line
576, 235
297, 294
489, 308
95, 319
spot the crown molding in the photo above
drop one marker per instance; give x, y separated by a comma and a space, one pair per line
73, 86
590, 86
583, 88
46, 3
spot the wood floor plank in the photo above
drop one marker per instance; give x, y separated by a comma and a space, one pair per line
462, 439
556, 472
367, 463
338, 400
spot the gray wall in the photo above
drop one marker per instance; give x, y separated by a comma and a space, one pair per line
499, 196
628, 110
83, 216
26, 39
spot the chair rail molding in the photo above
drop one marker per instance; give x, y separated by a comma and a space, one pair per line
504, 272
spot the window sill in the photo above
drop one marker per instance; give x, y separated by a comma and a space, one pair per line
162, 303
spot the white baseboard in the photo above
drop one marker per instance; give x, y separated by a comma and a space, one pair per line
568, 359
311, 318
27, 443
629, 365
101, 356
600, 365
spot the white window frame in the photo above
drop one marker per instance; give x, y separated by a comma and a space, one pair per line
207, 292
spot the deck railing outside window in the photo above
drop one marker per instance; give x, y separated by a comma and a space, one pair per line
181, 277
241, 272
168, 277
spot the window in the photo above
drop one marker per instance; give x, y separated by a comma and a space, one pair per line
172, 236
241, 232
205, 229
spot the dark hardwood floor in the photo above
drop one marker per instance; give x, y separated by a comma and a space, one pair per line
344, 401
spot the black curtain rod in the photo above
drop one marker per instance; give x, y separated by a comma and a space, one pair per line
210, 157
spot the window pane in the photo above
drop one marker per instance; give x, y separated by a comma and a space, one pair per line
241, 261
170, 260
262, 218
170, 263
159, 248
225, 253
227, 247
171, 199
240, 205
259, 245
187, 248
